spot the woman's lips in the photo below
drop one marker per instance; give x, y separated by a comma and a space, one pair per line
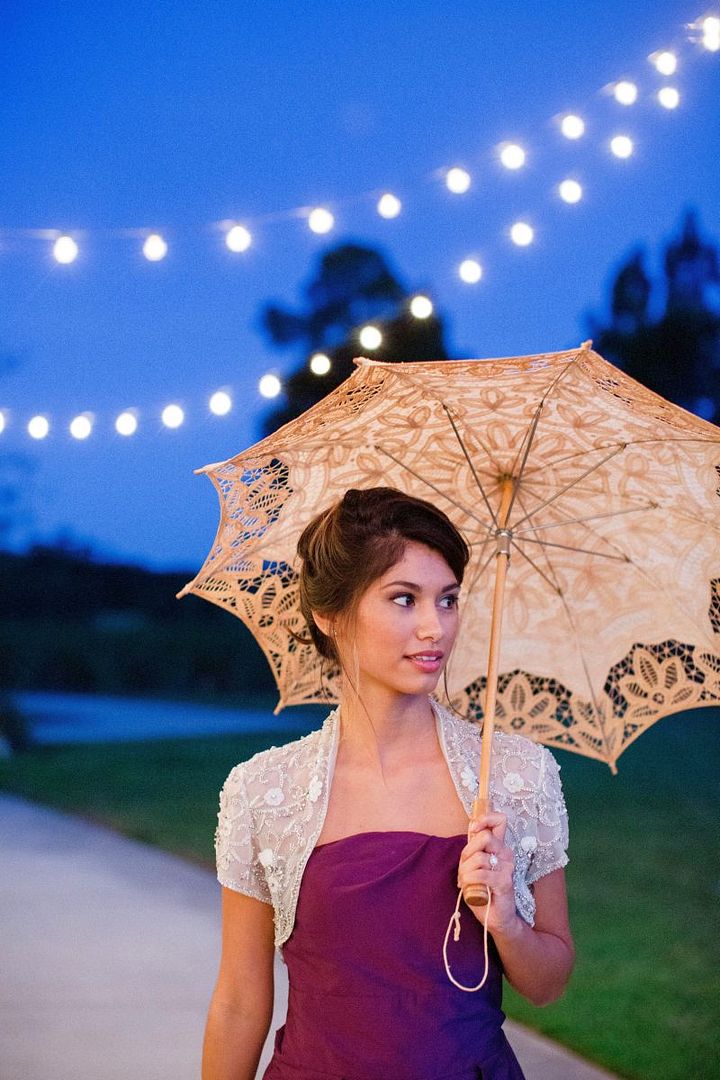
427, 662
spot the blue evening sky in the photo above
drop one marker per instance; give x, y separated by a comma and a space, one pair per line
177, 115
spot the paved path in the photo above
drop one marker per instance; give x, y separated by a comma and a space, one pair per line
108, 952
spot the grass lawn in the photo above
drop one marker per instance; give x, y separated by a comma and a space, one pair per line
644, 879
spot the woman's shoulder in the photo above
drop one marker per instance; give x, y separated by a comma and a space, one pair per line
279, 769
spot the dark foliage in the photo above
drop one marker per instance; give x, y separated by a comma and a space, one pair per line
677, 353
353, 286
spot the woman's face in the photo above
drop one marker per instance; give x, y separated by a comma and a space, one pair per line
406, 624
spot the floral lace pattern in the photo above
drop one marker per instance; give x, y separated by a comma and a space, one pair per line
272, 810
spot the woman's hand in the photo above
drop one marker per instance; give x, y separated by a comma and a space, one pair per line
486, 860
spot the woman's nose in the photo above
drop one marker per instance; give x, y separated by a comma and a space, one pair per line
430, 626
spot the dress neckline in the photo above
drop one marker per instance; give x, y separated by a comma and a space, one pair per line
388, 832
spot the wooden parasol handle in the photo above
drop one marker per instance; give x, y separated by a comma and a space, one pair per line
477, 895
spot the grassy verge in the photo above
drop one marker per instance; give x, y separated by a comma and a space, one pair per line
643, 878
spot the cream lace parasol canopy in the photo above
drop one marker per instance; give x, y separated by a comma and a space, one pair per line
606, 496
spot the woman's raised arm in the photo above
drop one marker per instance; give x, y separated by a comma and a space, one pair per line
242, 1002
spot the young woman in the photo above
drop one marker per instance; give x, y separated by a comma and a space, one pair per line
346, 848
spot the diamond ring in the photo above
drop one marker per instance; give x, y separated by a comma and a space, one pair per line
493, 861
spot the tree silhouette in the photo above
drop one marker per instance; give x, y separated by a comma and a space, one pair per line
678, 353
353, 286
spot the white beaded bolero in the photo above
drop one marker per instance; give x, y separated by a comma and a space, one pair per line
272, 810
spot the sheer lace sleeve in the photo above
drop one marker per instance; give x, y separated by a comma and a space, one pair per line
239, 865
549, 827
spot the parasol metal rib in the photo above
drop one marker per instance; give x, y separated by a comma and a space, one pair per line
577, 550
553, 585
530, 433
557, 495
476, 478
583, 520
434, 487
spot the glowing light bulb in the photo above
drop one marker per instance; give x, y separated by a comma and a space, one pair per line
522, 234
625, 92
220, 403
621, 146
238, 238
172, 416
81, 426
155, 248
458, 181
572, 127
668, 97
2, 422
320, 364
320, 220
512, 156
38, 427
269, 386
711, 33
389, 206
126, 423
470, 271
570, 191
421, 307
665, 62
65, 250
370, 337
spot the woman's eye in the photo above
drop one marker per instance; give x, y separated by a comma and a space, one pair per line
450, 601
403, 599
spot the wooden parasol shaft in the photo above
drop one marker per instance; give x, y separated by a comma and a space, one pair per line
478, 895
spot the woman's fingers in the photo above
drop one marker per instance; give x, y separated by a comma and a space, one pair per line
493, 822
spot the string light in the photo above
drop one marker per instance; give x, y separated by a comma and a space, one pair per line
126, 423
512, 156
522, 234
65, 250
220, 403
172, 416
320, 364
38, 427
155, 248
470, 271
665, 62
570, 191
238, 238
621, 146
269, 386
710, 26
81, 427
370, 337
320, 220
2, 422
668, 97
572, 126
421, 307
389, 206
625, 92
457, 180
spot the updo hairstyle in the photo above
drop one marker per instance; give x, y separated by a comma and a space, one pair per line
355, 541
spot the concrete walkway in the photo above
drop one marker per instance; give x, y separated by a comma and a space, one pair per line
108, 953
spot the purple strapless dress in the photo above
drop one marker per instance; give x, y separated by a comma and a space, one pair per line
369, 997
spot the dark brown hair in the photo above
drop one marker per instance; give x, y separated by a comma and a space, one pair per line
356, 540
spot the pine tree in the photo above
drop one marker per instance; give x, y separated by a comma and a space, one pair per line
353, 286
677, 354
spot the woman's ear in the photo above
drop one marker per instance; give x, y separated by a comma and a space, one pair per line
324, 624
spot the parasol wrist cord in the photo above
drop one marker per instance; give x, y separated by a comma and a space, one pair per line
455, 923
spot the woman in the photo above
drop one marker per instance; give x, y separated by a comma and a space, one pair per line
346, 847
